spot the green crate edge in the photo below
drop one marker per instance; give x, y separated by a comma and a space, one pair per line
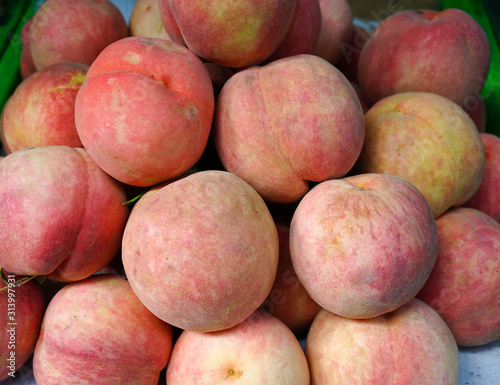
10, 75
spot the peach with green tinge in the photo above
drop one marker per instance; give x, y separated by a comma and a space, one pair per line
41, 111
428, 140
235, 33
145, 110
411, 345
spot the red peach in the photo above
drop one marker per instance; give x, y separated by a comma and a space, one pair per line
294, 120
21, 317
363, 245
464, 286
96, 331
61, 216
444, 52
201, 252
487, 196
336, 29
288, 300
145, 110
74, 31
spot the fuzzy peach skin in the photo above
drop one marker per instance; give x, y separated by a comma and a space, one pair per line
487, 196
445, 52
41, 111
295, 120
23, 307
303, 33
336, 29
411, 345
288, 300
259, 350
145, 20
235, 34
74, 31
464, 287
202, 251
363, 245
145, 110
96, 331
428, 140
61, 216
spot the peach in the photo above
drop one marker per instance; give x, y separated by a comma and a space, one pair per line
145, 20
487, 196
259, 350
26, 65
145, 110
464, 287
443, 52
303, 33
294, 120
336, 29
201, 252
288, 300
411, 345
61, 216
41, 111
428, 140
363, 245
74, 31
96, 331
351, 50
234, 34
23, 307
476, 108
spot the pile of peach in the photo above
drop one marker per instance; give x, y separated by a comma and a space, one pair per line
193, 191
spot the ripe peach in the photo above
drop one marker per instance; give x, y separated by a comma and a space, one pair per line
259, 350
145, 110
96, 331
444, 52
61, 216
487, 196
234, 34
294, 120
428, 140
411, 345
288, 300
23, 307
303, 33
363, 245
74, 31
336, 29
41, 111
201, 252
464, 286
